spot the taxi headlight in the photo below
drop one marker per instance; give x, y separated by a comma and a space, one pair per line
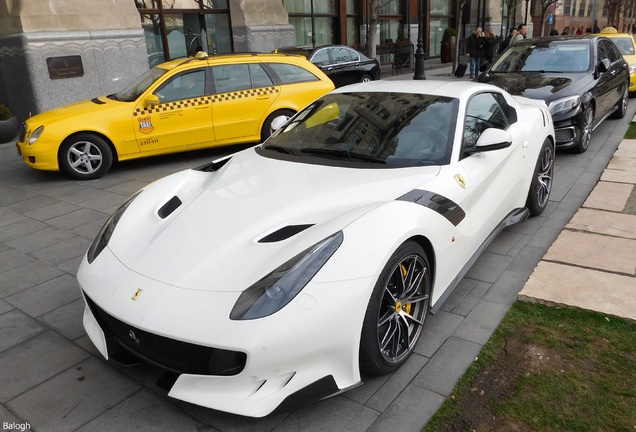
104, 234
36, 134
274, 291
632, 69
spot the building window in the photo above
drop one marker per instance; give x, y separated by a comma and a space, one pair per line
318, 28
179, 29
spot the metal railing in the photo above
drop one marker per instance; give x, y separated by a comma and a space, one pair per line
394, 59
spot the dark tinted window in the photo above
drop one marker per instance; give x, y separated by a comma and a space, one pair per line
290, 74
383, 129
343, 55
546, 57
611, 50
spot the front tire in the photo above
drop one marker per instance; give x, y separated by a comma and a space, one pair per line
541, 184
585, 136
396, 311
85, 156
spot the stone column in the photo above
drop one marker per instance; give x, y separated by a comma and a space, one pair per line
102, 37
260, 26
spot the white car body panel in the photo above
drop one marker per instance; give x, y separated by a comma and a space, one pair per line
179, 276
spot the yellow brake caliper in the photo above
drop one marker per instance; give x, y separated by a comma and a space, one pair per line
405, 307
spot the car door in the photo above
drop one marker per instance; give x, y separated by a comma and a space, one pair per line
489, 175
242, 94
182, 118
618, 73
604, 82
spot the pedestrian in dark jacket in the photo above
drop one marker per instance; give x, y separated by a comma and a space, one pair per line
491, 44
503, 45
475, 50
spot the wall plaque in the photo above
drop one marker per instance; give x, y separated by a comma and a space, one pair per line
65, 67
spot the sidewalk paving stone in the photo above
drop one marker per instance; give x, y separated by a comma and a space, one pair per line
603, 222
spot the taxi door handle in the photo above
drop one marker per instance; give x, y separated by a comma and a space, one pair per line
263, 96
201, 107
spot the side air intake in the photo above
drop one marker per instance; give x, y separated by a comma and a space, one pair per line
169, 207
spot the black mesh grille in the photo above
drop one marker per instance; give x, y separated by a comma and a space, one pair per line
564, 135
22, 134
171, 354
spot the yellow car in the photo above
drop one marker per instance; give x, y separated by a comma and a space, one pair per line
180, 105
625, 44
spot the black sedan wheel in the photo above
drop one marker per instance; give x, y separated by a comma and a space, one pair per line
541, 180
366, 78
397, 310
85, 157
585, 134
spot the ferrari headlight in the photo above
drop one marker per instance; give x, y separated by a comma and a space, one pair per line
36, 134
571, 105
278, 288
104, 235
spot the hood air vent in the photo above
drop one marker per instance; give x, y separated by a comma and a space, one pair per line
167, 209
284, 233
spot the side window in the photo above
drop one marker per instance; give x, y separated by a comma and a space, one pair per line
229, 78
321, 58
291, 74
187, 85
613, 52
483, 112
600, 51
259, 76
341, 55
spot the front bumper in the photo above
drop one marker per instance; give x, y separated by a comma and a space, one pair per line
270, 359
41, 155
567, 132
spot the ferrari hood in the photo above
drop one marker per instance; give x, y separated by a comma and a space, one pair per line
537, 85
225, 230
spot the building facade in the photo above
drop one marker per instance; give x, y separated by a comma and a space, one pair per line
55, 52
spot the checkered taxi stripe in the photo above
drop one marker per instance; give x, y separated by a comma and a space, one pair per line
171, 106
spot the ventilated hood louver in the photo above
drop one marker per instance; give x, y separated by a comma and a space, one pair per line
284, 233
169, 207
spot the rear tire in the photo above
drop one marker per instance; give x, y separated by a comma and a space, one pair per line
397, 310
266, 130
85, 156
541, 184
366, 78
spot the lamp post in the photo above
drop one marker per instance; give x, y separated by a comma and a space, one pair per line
525, 21
313, 31
419, 73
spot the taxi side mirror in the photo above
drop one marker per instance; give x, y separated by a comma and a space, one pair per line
151, 101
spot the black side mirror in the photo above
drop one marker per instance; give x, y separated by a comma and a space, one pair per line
604, 65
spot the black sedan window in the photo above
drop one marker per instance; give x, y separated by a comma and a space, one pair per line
545, 57
379, 129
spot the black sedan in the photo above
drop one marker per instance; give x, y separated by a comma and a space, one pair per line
341, 63
583, 80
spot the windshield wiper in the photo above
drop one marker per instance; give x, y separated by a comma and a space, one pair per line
279, 149
340, 152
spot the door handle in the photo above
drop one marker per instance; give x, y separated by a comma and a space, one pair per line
263, 96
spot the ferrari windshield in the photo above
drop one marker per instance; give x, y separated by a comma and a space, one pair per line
140, 85
553, 56
389, 129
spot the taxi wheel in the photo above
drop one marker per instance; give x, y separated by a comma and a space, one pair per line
85, 156
266, 131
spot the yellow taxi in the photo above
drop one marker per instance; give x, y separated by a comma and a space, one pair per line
180, 105
625, 44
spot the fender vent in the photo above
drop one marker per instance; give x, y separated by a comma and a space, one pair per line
284, 233
97, 101
167, 209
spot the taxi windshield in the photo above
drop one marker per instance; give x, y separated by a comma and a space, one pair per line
140, 85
